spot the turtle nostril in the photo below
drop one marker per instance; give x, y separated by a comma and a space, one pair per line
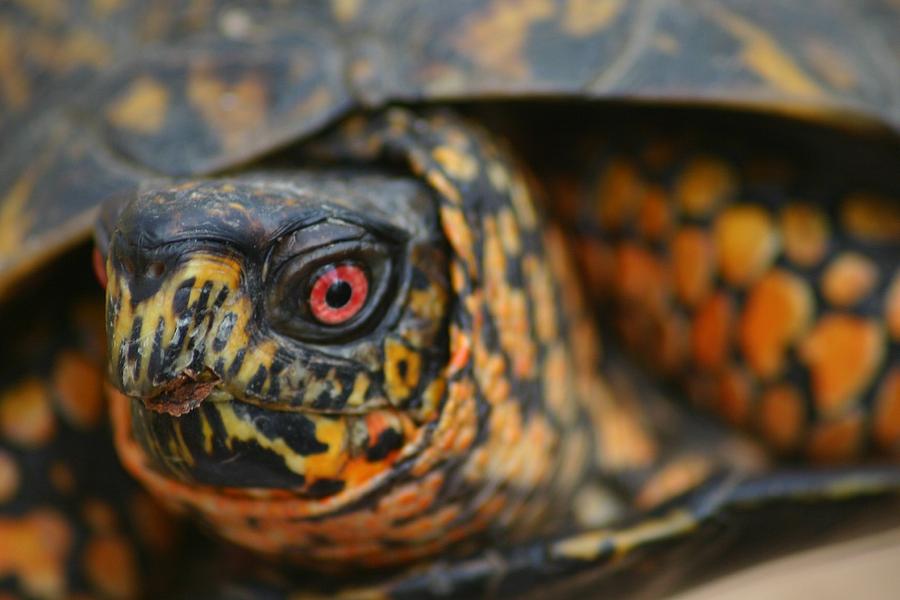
155, 269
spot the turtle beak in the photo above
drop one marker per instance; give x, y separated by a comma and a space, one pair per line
172, 317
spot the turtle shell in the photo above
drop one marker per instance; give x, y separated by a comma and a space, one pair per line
96, 97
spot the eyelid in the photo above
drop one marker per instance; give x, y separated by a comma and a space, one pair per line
316, 236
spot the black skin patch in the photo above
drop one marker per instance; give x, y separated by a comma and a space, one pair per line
388, 441
323, 488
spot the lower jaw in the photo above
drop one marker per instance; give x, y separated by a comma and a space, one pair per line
277, 522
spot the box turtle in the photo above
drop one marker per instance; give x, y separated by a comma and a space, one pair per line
443, 299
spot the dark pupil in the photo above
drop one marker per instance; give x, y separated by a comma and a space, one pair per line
338, 294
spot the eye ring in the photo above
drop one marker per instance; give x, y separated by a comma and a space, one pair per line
293, 309
338, 293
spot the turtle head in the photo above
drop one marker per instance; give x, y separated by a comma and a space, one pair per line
356, 365
270, 331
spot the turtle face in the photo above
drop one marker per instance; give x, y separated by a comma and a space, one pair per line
277, 333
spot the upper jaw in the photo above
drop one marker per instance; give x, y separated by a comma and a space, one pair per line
183, 393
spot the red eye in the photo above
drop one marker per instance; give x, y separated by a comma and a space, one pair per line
99, 267
338, 293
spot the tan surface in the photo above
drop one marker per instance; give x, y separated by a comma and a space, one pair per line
866, 569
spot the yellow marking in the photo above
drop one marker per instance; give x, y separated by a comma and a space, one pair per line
400, 385
207, 431
345, 10
588, 546
509, 232
14, 222
494, 37
26, 415
183, 451
508, 305
241, 430
584, 17
746, 241
558, 392
358, 393
806, 232
831, 64
458, 164
522, 204
142, 107
704, 184
234, 111
81, 49
498, 175
763, 54
14, 84
459, 235
429, 303
333, 433
431, 399
544, 308
443, 186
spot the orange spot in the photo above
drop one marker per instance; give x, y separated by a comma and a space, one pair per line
99, 516
141, 108
735, 396
677, 477
461, 347
9, 476
848, 279
619, 194
778, 310
782, 416
236, 110
872, 218
79, 389
641, 277
598, 263
34, 549
711, 331
674, 341
747, 243
110, 565
410, 499
843, 353
26, 417
836, 441
704, 184
892, 308
693, 261
887, 412
805, 231
494, 37
654, 218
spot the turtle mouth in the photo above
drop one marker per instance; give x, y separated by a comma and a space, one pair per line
183, 393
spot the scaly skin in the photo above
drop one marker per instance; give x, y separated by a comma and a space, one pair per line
496, 434
468, 409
